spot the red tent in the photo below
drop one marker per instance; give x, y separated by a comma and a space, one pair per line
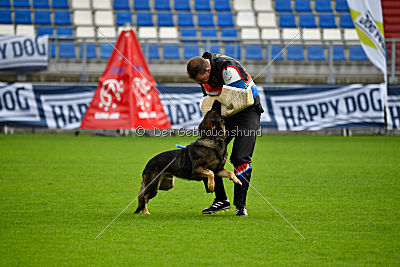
126, 97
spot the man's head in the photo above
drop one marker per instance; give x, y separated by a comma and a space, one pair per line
198, 69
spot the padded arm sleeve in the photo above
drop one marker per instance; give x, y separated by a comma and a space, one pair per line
232, 78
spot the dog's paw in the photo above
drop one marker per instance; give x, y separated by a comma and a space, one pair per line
236, 180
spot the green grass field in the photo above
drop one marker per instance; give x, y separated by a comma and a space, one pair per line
58, 192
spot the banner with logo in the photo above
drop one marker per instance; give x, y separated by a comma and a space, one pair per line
286, 108
324, 107
61, 107
126, 96
393, 107
25, 53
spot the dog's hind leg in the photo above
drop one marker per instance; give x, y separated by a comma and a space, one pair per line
149, 189
230, 175
141, 199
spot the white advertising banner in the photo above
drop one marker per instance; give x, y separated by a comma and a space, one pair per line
23, 52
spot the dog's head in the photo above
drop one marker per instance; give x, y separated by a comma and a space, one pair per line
212, 124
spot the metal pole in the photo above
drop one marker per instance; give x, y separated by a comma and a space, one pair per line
84, 76
331, 76
393, 78
269, 78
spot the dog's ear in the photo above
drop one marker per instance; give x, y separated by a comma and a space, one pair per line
216, 106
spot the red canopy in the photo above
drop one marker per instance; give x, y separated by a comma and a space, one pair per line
126, 97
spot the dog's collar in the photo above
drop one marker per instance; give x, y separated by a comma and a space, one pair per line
210, 143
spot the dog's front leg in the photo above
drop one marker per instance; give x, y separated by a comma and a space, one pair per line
230, 175
210, 176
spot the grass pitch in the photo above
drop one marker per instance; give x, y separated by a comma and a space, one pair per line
58, 192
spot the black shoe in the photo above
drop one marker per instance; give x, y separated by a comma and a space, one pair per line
241, 211
217, 205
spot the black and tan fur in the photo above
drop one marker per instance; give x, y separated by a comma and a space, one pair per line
201, 160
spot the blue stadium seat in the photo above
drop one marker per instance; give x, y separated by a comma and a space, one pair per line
5, 3
185, 19
216, 49
233, 51
209, 33
346, 21
225, 19
357, 53
162, 5
5, 16
222, 5
341, 6
302, 5
191, 50
189, 33
287, 20
327, 20
171, 51
307, 20
182, 5
60, 4
315, 52
66, 50
202, 5
121, 4
62, 17
229, 33
123, 17
276, 52
141, 4
283, 5
65, 31
144, 19
338, 53
153, 50
91, 51
205, 19
165, 19
22, 16
43, 30
254, 52
323, 5
42, 17
41, 4
295, 52
105, 50
21, 3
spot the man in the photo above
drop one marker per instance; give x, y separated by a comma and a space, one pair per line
212, 72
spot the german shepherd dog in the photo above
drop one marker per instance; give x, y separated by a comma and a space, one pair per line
202, 160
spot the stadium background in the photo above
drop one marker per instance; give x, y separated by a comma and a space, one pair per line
173, 31
58, 192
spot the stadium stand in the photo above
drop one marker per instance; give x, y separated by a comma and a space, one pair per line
173, 30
